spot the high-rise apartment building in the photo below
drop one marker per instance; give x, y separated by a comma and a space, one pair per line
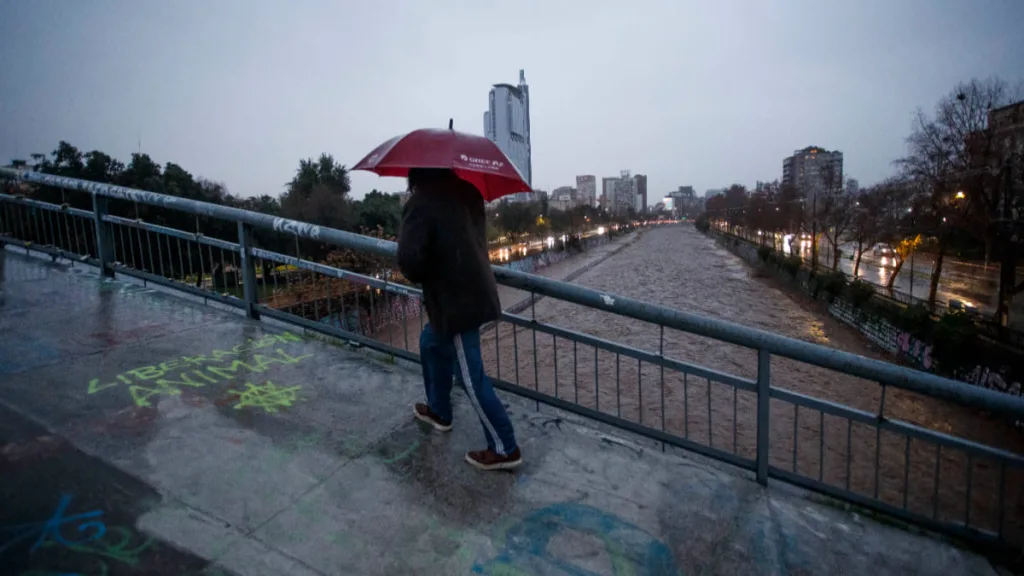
507, 124
586, 189
813, 171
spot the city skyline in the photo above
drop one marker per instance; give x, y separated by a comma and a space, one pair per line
204, 89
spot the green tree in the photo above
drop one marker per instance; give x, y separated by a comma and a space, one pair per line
318, 193
380, 211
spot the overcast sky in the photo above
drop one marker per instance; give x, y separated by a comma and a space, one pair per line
702, 93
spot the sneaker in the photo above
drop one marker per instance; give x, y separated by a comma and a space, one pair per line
490, 460
423, 414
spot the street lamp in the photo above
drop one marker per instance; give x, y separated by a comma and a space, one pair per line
960, 195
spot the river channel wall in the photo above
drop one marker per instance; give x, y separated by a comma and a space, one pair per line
897, 342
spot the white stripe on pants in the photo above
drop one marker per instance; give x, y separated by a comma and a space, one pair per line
471, 392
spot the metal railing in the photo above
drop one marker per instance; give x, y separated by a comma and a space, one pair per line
873, 449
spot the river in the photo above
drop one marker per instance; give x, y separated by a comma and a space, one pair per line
682, 269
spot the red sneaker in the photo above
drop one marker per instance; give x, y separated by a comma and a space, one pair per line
490, 460
423, 414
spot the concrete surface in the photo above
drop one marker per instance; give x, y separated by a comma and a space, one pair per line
142, 433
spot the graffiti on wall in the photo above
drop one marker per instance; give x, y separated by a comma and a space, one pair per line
394, 311
918, 352
914, 349
993, 380
218, 366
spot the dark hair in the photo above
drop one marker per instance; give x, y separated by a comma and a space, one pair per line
429, 176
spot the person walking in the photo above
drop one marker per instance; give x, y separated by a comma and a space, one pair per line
442, 245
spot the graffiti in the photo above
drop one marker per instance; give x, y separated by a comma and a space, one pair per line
118, 543
98, 188
915, 349
630, 549
399, 309
403, 454
303, 229
97, 540
905, 345
992, 380
50, 531
268, 396
199, 378
537, 261
170, 377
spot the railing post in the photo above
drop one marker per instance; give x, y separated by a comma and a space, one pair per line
104, 240
763, 411
248, 270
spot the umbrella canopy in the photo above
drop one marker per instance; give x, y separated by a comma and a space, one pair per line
473, 158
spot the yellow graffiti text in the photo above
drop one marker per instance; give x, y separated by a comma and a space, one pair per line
159, 371
268, 396
141, 393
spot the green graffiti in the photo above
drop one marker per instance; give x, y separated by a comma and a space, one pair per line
197, 379
116, 544
198, 366
268, 396
405, 454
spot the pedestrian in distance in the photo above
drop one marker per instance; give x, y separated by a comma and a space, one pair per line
442, 245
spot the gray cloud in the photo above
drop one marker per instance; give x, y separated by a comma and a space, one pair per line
700, 93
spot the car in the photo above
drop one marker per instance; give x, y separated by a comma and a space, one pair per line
883, 250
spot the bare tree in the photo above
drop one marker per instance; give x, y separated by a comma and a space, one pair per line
893, 227
966, 172
866, 222
835, 210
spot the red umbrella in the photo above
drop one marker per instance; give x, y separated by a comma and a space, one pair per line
473, 158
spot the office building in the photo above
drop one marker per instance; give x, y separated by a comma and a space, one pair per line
813, 170
608, 188
685, 202
712, 192
586, 189
640, 189
565, 198
625, 194
507, 124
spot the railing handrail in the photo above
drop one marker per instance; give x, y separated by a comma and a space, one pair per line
815, 354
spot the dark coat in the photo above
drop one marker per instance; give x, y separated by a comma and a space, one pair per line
443, 247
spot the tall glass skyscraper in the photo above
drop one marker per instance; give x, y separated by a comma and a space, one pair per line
507, 124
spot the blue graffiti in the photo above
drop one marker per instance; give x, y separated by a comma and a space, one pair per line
632, 551
50, 530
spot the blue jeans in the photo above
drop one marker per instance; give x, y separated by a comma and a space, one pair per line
443, 358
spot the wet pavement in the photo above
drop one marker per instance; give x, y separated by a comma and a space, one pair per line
143, 433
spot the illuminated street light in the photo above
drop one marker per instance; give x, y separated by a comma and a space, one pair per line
960, 195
